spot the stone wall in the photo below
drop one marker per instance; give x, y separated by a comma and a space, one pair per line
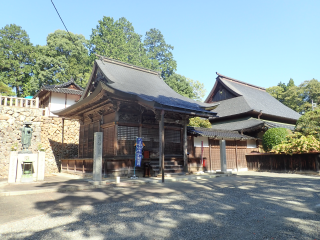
47, 131
51, 140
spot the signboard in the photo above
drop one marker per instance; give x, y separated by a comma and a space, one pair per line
139, 147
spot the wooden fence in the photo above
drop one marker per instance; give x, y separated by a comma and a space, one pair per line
281, 162
84, 165
19, 102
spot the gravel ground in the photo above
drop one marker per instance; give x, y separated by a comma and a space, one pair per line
258, 208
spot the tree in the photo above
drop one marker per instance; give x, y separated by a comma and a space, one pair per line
180, 85
197, 88
17, 56
309, 123
199, 122
117, 40
298, 98
5, 90
292, 98
310, 92
159, 52
64, 57
276, 92
273, 137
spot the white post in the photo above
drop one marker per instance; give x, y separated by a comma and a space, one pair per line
37, 102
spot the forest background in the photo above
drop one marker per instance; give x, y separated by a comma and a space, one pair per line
24, 68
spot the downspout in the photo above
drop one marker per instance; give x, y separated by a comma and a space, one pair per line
260, 114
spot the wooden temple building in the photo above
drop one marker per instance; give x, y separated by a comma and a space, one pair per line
55, 97
125, 102
247, 108
244, 113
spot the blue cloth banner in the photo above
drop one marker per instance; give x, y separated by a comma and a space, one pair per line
139, 147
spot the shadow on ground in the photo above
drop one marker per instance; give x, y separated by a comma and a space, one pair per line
250, 207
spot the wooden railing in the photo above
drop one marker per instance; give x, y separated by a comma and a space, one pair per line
19, 102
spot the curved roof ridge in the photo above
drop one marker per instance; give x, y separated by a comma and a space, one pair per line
110, 60
240, 82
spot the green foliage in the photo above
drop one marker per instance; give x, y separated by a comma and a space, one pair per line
180, 85
5, 90
63, 58
273, 137
309, 123
197, 89
297, 143
185, 86
199, 122
159, 52
25, 68
298, 98
118, 40
17, 56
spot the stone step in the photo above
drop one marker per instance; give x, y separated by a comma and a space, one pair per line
170, 171
167, 166
166, 163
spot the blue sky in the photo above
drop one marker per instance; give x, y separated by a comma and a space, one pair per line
259, 42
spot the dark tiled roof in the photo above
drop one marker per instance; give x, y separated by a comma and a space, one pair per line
279, 125
61, 88
64, 90
217, 134
239, 125
251, 98
250, 124
63, 85
146, 85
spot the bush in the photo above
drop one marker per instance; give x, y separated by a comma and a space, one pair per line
199, 122
297, 143
273, 137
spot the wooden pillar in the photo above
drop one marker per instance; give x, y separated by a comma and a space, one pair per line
210, 160
317, 162
115, 142
185, 146
161, 144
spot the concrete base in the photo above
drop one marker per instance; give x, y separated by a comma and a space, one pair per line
12, 175
29, 158
225, 173
97, 183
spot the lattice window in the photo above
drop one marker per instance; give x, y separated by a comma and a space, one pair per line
108, 141
150, 137
172, 142
90, 140
126, 139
